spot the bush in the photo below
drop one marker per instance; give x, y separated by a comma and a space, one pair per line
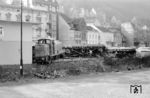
110, 61
129, 62
74, 71
146, 61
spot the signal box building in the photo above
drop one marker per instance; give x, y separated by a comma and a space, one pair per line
10, 35
10, 43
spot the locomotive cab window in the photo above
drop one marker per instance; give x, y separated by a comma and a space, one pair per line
48, 41
42, 41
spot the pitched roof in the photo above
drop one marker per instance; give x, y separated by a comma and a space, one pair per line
110, 29
103, 29
79, 24
46, 2
41, 1
66, 18
90, 28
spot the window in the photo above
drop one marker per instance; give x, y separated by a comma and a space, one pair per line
50, 8
28, 17
1, 33
38, 19
8, 16
53, 9
53, 17
54, 27
50, 16
48, 41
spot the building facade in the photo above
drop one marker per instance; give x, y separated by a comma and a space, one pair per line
93, 36
108, 38
41, 11
47, 14
10, 43
72, 31
66, 35
39, 20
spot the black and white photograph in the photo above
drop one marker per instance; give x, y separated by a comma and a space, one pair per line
74, 48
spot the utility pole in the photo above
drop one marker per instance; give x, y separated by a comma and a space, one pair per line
57, 21
49, 19
21, 49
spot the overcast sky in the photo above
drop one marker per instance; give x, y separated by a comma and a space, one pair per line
122, 0
117, 0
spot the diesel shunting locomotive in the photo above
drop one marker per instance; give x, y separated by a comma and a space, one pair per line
46, 50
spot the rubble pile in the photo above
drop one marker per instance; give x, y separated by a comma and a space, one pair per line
50, 75
62, 69
12, 73
75, 67
53, 71
9, 76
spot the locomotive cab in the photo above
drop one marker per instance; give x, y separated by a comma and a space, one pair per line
43, 51
47, 50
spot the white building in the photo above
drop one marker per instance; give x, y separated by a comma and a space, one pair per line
93, 36
105, 37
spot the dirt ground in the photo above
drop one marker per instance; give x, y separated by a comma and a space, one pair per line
57, 69
100, 85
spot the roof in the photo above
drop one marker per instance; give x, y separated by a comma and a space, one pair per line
78, 24
110, 29
19, 22
78, 20
46, 2
66, 18
103, 29
41, 1
90, 28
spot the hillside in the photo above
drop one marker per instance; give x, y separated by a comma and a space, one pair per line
123, 10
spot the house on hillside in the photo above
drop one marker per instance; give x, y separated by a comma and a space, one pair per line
118, 37
79, 27
72, 31
141, 35
107, 37
112, 36
66, 35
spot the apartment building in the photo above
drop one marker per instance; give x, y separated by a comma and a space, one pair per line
39, 20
